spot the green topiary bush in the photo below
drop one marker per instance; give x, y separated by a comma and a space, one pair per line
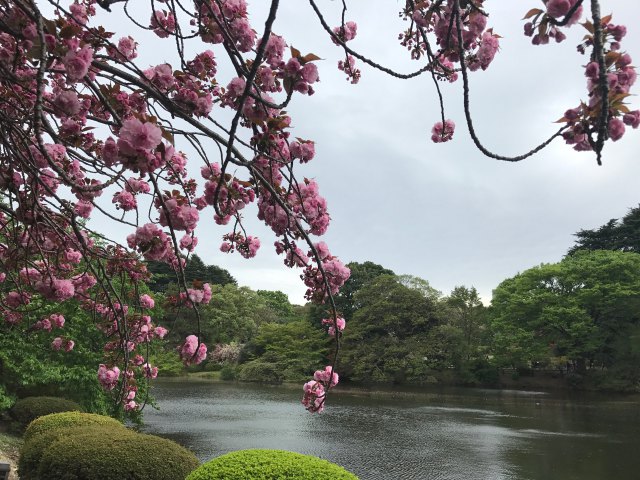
106, 453
28, 409
54, 421
34, 447
269, 465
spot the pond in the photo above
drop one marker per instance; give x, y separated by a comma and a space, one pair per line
439, 434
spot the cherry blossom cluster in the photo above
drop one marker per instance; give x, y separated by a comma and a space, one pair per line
294, 256
230, 194
54, 320
583, 122
442, 133
60, 343
134, 319
192, 351
248, 247
315, 390
95, 122
542, 24
348, 66
39, 265
108, 377
339, 322
221, 21
325, 279
461, 34
479, 44
192, 297
341, 35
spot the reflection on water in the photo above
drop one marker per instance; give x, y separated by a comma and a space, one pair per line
433, 435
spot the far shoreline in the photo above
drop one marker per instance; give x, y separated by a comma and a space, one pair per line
382, 390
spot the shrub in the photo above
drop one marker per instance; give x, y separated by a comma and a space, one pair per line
168, 362
55, 421
228, 373
295, 374
34, 447
269, 465
485, 373
106, 453
258, 371
618, 378
208, 366
575, 380
6, 399
28, 409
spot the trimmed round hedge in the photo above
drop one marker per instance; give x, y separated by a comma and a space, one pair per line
28, 409
33, 448
55, 421
106, 453
269, 465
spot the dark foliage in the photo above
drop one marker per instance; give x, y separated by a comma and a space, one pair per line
196, 270
28, 409
622, 235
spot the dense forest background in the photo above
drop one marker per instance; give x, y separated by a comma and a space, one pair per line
576, 322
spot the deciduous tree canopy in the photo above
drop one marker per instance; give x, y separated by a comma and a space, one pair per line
581, 309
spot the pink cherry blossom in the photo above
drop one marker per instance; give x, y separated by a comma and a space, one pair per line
487, 51
57, 320
330, 322
127, 47
440, 133
146, 301
346, 33
632, 119
314, 396
149, 371
77, 63
274, 51
191, 353
616, 129
125, 200
137, 137
108, 377
57, 343
68, 103
162, 23
160, 332
326, 376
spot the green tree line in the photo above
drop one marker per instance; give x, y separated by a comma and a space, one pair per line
579, 317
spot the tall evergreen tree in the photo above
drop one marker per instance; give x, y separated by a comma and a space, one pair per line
195, 270
622, 235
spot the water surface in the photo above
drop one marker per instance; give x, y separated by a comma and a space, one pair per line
452, 434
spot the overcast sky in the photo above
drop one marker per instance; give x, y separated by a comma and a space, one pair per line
442, 212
